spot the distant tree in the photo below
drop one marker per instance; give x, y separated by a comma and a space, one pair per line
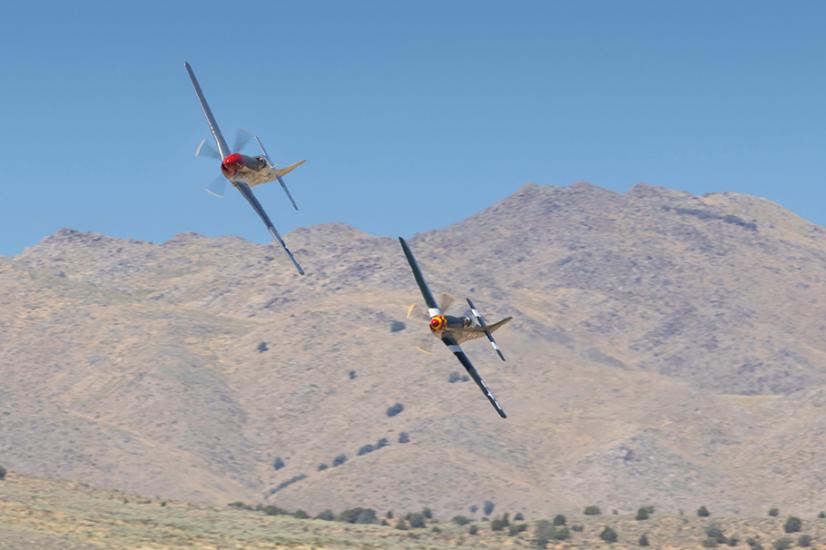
381, 443
397, 326
339, 460
435, 529
2, 473
326, 515
774, 512
271, 510
389, 514
703, 512
822, 515
519, 516
238, 505
322, 467
402, 525
559, 519
793, 525
733, 541
278, 463
546, 532
427, 513
365, 449
783, 543
592, 510
301, 514
804, 541
472, 530
473, 509
488, 507
352, 375
642, 514
404, 438
262, 347
358, 515
514, 529
577, 528
393, 410
644, 540
608, 535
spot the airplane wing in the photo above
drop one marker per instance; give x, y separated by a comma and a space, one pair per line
432, 306
247, 192
213, 126
453, 346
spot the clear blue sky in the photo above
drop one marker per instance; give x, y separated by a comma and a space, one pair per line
412, 115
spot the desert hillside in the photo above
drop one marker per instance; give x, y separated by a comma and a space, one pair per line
666, 349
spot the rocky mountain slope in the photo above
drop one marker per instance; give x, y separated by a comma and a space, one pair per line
666, 349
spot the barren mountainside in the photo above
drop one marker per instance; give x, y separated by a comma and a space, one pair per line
666, 349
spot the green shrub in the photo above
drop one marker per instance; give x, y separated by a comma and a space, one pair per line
793, 525
703, 512
774, 512
714, 532
577, 528
460, 520
278, 463
488, 507
514, 529
365, 449
427, 513
416, 520
404, 438
358, 515
271, 510
754, 544
497, 524
322, 467
559, 520
326, 515
783, 543
301, 514
2, 473
644, 540
822, 515
472, 530
710, 542
642, 514
238, 505
804, 541
402, 525
592, 510
393, 410
519, 516
608, 535
340, 459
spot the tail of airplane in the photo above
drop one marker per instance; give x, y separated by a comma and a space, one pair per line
284, 171
489, 329
281, 172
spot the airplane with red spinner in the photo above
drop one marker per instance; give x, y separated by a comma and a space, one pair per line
243, 171
453, 330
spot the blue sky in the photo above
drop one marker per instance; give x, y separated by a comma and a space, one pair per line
411, 115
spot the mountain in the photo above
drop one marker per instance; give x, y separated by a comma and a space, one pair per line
666, 349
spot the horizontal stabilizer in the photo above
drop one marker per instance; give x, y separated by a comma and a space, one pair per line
284, 171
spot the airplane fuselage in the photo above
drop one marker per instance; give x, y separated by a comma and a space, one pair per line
251, 170
457, 326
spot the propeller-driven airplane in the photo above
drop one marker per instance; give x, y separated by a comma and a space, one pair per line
242, 171
453, 330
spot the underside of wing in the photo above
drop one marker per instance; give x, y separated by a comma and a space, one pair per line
223, 149
248, 194
433, 307
453, 346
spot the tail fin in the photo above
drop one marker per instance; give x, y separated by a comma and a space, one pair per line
489, 328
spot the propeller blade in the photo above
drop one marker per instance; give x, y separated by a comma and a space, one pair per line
414, 311
242, 138
445, 301
425, 344
206, 149
218, 187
